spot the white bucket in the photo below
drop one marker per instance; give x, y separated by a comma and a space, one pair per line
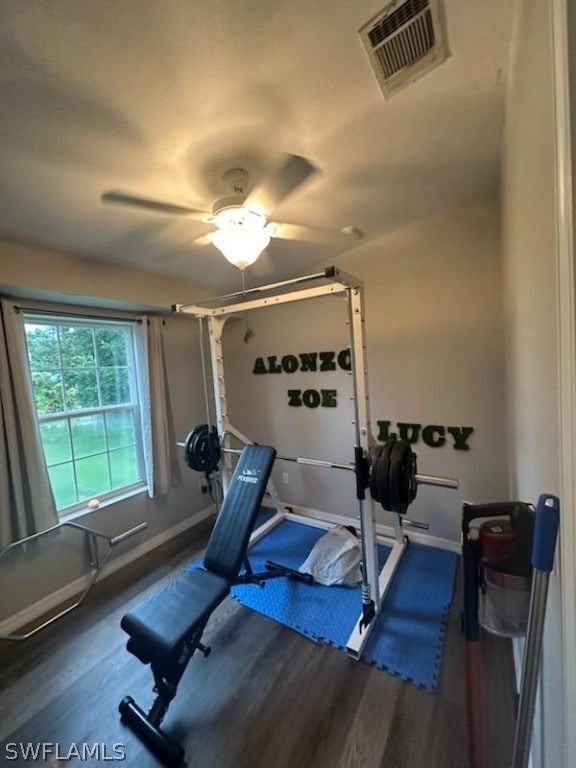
505, 603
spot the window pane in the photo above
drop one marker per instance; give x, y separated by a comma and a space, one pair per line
77, 347
48, 393
92, 476
120, 429
80, 389
63, 487
115, 386
79, 370
56, 441
88, 435
111, 347
42, 342
124, 466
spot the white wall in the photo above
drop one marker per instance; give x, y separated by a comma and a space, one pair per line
435, 352
531, 297
258, 403
33, 271
40, 270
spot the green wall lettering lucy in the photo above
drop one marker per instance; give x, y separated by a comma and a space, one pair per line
432, 434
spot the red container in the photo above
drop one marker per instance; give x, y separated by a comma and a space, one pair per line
497, 540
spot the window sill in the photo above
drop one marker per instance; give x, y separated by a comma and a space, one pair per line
86, 510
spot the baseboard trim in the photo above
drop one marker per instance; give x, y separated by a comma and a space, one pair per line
33, 612
51, 602
381, 530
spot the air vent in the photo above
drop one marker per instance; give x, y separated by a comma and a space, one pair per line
405, 41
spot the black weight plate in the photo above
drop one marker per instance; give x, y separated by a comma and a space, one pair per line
383, 473
202, 449
373, 472
412, 472
408, 481
399, 480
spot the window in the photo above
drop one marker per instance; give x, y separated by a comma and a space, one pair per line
84, 380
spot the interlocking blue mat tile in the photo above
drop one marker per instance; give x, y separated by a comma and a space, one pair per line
408, 636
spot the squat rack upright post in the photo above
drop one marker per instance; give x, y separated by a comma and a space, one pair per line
331, 281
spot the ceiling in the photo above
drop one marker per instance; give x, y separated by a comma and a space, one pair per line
159, 98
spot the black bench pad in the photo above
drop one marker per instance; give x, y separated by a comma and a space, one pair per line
161, 623
159, 626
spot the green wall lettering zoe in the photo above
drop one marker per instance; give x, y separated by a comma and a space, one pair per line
312, 398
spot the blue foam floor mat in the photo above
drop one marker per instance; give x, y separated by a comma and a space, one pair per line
408, 636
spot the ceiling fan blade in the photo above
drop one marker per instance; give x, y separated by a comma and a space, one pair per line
202, 239
122, 198
293, 171
316, 235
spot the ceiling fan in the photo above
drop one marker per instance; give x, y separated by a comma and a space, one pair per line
240, 220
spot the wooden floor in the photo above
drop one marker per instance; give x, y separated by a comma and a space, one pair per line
264, 698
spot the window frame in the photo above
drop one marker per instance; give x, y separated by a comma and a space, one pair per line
94, 323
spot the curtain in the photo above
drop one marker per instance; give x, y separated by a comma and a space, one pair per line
159, 437
26, 500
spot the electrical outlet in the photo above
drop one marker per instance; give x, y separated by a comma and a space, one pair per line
285, 477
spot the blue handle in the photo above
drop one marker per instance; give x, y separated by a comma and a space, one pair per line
545, 532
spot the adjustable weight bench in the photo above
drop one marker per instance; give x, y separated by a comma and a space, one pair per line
166, 629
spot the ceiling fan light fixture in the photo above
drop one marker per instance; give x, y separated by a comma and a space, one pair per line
241, 236
242, 231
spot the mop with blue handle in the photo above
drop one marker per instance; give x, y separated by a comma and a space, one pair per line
545, 534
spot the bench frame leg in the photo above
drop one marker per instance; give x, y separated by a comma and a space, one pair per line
166, 680
170, 753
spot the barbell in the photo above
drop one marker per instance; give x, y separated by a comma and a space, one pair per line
389, 470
